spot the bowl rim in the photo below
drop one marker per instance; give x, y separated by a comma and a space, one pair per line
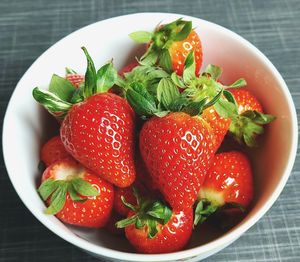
209, 247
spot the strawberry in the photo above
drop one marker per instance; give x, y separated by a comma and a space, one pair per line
177, 150
246, 100
75, 79
98, 127
53, 150
99, 134
170, 44
76, 195
229, 181
248, 118
151, 227
219, 124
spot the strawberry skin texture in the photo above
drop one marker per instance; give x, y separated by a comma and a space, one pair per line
99, 133
246, 100
95, 211
53, 150
177, 150
179, 51
171, 237
229, 180
75, 79
220, 125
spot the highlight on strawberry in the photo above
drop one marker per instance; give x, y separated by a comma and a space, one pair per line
159, 125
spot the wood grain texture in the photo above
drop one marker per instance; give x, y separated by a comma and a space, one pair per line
27, 28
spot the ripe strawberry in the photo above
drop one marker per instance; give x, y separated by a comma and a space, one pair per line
97, 129
76, 195
229, 181
153, 228
177, 150
75, 79
53, 150
170, 44
219, 124
246, 100
99, 134
248, 119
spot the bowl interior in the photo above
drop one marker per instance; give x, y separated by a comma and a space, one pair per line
27, 125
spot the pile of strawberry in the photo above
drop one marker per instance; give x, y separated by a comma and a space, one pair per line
140, 149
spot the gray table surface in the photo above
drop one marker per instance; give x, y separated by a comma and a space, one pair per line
28, 28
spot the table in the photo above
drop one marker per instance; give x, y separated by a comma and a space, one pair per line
28, 28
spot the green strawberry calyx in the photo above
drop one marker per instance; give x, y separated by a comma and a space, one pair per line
57, 191
147, 213
62, 95
160, 41
206, 208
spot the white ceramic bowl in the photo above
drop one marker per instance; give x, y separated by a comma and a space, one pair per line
26, 126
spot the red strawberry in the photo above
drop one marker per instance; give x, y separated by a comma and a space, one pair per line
76, 195
99, 134
53, 150
75, 79
248, 120
179, 51
177, 150
170, 44
246, 100
228, 181
153, 228
219, 124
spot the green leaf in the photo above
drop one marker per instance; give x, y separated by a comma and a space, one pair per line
160, 211
167, 92
78, 95
127, 221
165, 60
58, 199
230, 98
51, 102
161, 113
238, 83
214, 100
195, 108
62, 88
258, 117
90, 82
73, 194
203, 210
70, 71
141, 37
149, 58
177, 80
106, 77
47, 188
138, 99
189, 68
83, 187
214, 71
152, 228
225, 108
184, 32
